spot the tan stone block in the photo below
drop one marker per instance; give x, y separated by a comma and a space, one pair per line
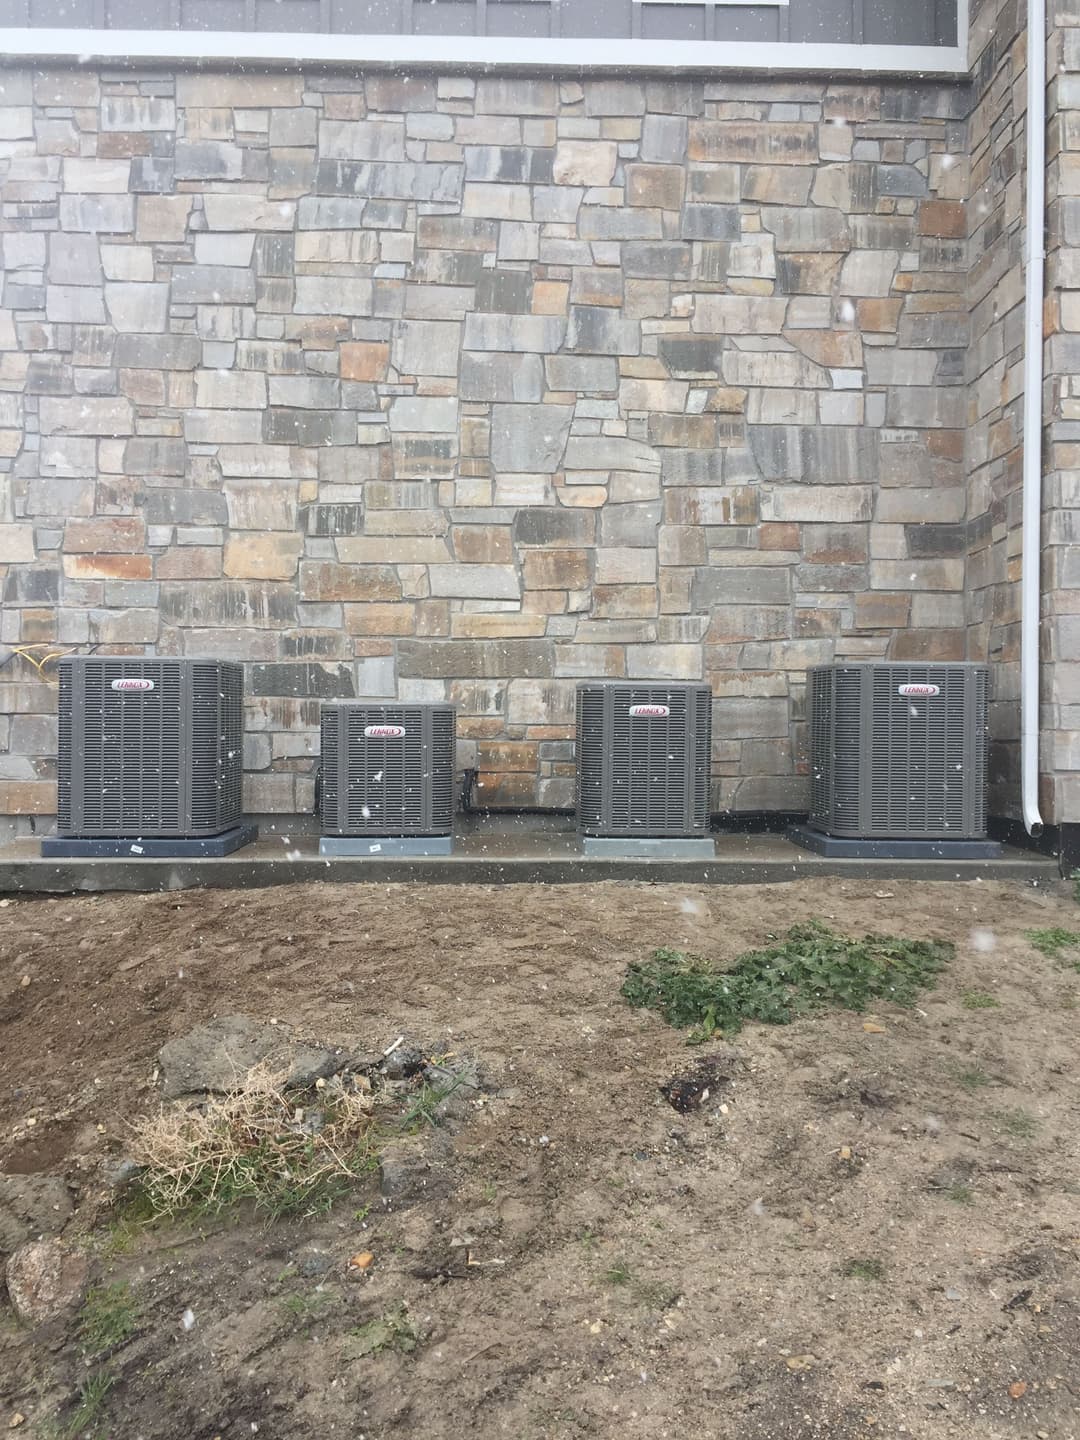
585, 162
110, 534
659, 186
776, 536
499, 625
746, 143
482, 544
365, 360
389, 619
189, 562
108, 567
556, 569
247, 91
326, 581
880, 611
392, 550
583, 497
946, 218
877, 315
928, 645
272, 556
27, 797
550, 297
625, 566
16, 544
162, 217
836, 348
624, 602
508, 790
597, 286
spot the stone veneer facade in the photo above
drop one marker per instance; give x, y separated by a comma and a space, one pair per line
443, 387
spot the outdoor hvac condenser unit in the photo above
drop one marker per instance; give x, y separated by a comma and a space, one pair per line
898, 752
643, 760
149, 747
387, 772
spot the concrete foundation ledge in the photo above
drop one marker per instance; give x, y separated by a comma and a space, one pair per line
487, 850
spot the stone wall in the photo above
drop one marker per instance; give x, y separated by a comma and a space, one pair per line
1061, 493
440, 387
995, 373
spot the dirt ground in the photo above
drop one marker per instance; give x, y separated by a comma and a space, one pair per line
877, 1235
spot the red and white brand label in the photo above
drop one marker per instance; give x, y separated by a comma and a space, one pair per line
919, 690
133, 684
650, 711
384, 732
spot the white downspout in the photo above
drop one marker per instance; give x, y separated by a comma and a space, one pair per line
1031, 551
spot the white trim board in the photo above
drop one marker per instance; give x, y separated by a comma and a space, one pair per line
473, 52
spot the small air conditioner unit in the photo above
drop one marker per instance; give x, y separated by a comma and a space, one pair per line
387, 773
898, 752
643, 753
149, 747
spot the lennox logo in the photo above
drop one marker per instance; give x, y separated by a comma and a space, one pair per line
919, 690
384, 732
133, 684
652, 711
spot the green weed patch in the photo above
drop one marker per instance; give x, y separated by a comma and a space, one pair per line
811, 968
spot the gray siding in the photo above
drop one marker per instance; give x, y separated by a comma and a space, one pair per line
881, 22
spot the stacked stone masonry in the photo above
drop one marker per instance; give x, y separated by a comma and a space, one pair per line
449, 388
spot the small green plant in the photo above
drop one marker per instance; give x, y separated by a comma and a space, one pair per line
307, 1308
972, 1077
811, 968
959, 1194
108, 1317
361, 1214
864, 1269
250, 1145
391, 1331
423, 1108
1055, 941
978, 1000
618, 1274
93, 1392
1017, 1123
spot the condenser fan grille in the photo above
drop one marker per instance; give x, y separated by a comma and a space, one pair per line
899, 751
149, 747
387, 770
643, 759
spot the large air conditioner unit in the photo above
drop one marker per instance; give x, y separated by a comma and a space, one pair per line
898, 752
643, 753
387, 772
149, 747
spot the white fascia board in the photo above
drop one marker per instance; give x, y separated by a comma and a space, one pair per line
464, 52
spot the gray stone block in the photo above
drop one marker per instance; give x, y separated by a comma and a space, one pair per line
600, 330
490, 376
137, 308
741, 585
540, 334
208, 160
529, 438
73, 259
158, 352
212, 285
556, 529
475, 659
710, 222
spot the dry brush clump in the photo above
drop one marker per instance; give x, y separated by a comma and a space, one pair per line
255, 1144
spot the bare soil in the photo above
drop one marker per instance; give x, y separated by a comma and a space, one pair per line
866, 1232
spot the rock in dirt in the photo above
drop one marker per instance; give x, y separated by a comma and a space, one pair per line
404, 1171
31, 1206
214, 1057
956, 1171
458, 1081
45, 1280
